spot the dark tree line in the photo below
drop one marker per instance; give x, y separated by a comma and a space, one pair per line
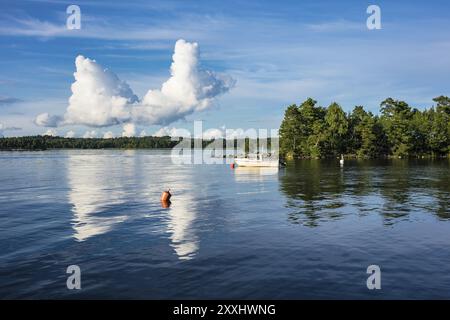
311, 131
49, 142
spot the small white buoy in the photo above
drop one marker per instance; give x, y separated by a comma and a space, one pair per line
341, 162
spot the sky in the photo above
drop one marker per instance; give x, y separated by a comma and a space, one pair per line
233, 64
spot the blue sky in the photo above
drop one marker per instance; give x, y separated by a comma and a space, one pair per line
279, 52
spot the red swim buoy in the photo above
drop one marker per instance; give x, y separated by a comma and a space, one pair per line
232, 166
166, 195
165, 204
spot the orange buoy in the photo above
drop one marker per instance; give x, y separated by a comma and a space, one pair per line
165, 204
165, 196
232, 166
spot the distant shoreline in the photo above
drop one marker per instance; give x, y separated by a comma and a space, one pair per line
49, 143
43, 143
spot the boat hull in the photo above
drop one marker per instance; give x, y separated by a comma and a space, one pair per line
256, 163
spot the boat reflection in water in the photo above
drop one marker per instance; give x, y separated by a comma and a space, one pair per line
257, 177
242, 174
94, 190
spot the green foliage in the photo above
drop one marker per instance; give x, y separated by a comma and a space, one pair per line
311, 131
396, 120
290, 129
336, 129
302, 130
48, 142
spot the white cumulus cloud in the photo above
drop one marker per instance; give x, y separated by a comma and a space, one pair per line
189, 89
213, 134
46, 120
129, 130
108, 135
4, 128
99, 98
50, 132
90, 134
172, 132
70, 134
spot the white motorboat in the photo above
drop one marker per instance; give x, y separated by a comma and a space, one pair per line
247, 162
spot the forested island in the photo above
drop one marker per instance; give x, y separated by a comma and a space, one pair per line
311, 131
49, 142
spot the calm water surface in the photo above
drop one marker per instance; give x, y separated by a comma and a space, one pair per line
307, 231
